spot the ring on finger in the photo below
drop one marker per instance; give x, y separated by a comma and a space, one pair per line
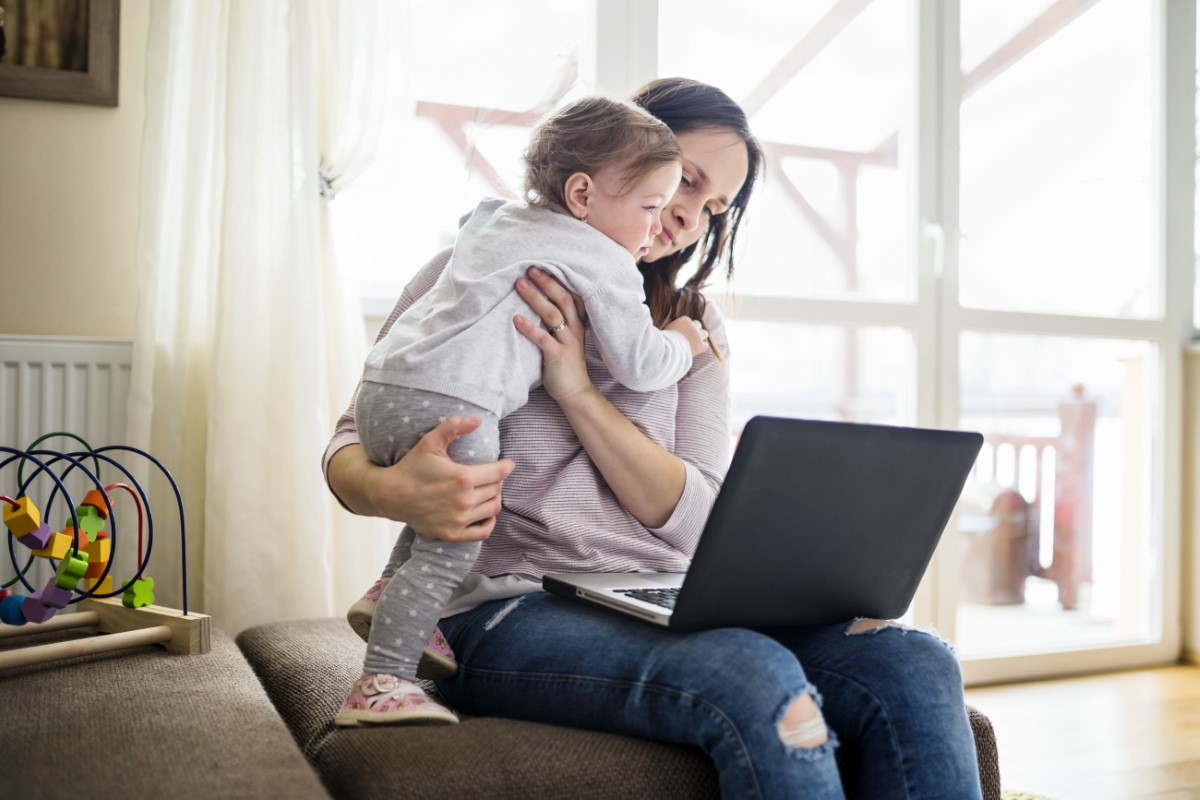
559, 326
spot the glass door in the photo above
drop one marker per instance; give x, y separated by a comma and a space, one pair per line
962, 225
1063, 338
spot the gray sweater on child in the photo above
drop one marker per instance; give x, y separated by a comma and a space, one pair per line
459, 339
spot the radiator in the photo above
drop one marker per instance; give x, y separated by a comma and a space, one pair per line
63, 384
50, 384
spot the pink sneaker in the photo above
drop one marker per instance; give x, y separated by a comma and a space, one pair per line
437, 660
379, 699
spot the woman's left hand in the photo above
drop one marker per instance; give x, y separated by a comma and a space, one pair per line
564, 370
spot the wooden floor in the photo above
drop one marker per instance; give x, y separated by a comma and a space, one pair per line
1118, 735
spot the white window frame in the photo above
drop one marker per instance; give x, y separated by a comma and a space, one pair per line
625, 56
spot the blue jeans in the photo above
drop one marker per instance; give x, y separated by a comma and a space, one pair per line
896, 694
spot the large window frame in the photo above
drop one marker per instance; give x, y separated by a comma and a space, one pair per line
620, 53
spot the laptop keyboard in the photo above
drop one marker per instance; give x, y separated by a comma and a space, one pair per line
659, 597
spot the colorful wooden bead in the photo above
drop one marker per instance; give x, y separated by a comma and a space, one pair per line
141, 593
95, 499
53, 595
22, 518
10, 610
5, 593
99, 551
38, 539
37, 611
96, 586
58, 545
73, 567
90, 521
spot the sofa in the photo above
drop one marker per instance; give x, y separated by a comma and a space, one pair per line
252, 718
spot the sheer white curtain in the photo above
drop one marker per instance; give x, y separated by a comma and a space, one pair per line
247, 345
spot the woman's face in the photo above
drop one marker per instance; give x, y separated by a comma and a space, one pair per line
715, 164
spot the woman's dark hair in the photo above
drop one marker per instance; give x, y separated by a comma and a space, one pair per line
687, 106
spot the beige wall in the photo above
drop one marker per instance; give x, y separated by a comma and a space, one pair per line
69, 204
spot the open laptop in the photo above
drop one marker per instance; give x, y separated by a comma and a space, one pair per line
816, 523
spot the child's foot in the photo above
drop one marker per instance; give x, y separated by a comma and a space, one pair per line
380, 699
437, 660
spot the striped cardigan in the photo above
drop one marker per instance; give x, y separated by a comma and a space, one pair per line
559, 514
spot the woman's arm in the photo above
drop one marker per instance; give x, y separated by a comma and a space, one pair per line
426, 489
647, 478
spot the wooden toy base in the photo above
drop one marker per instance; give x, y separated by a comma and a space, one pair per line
121, 628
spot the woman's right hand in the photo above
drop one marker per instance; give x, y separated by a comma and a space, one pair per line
426, 488
564, 368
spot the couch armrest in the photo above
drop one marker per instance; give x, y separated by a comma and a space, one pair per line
143, 722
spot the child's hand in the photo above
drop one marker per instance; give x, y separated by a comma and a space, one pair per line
693, 331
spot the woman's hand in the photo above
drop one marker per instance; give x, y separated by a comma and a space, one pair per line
564, 370
426, 488
644, 476
693, 331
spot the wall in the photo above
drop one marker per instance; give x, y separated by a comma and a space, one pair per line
69, 204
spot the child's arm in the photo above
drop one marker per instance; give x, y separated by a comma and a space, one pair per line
639, 355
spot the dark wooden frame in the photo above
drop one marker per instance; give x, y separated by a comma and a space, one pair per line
97, 86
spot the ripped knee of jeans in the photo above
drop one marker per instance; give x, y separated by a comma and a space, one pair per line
867, 625
800, 724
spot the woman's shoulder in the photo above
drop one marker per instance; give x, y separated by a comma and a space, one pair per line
417, 286
426, 276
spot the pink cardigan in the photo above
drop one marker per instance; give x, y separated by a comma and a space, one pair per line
558, 513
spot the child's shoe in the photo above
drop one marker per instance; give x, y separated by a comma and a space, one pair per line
380, 699
363, 611
437, 660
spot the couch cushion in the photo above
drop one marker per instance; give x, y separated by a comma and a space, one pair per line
309, 666
145, 723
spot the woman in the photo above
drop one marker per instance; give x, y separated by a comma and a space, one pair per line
607, 479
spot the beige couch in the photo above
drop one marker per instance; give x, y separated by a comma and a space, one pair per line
254, 720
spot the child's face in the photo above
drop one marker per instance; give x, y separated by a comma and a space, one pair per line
631, 219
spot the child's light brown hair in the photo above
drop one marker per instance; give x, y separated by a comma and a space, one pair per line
588, 136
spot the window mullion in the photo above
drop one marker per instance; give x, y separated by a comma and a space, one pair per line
621, 46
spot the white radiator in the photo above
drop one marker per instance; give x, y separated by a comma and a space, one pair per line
50, 384
63, 384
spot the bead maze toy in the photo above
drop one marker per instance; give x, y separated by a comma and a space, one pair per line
82, 555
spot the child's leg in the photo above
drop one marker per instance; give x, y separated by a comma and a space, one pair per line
401, 552
413, 600
412, 603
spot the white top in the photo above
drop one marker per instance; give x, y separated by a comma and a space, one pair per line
558, 514
459, 340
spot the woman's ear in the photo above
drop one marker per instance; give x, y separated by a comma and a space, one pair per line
578, 192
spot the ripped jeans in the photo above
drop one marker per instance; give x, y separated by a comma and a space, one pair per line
896, 694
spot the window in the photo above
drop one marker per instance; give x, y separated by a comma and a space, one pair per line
461, 105
967, 221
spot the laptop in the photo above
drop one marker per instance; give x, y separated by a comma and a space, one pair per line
816, 523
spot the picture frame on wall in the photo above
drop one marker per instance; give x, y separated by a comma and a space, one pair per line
61, 50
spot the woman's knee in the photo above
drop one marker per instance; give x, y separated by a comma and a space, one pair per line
908, 659
753, 680
801, 724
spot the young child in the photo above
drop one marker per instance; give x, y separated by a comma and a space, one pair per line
597, 175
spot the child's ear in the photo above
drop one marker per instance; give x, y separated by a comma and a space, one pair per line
578, 191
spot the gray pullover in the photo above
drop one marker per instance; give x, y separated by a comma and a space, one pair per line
459, 338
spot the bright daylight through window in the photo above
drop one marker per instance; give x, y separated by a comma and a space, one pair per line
985, 256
